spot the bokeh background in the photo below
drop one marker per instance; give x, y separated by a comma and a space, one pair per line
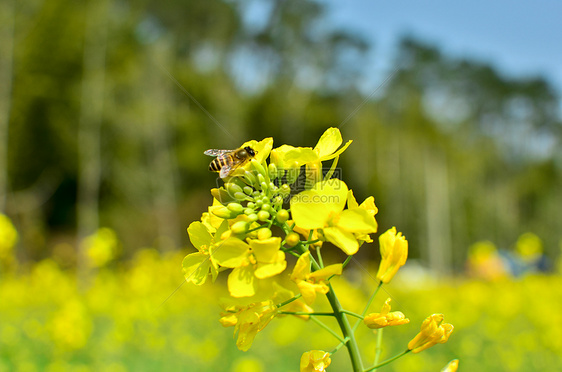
107, 106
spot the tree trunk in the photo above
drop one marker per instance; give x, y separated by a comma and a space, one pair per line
91, 116
439, 245
7, 25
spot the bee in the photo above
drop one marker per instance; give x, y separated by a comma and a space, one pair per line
228, 160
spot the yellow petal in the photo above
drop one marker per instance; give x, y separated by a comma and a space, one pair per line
241, 282
195, 268
328, 142
232, 252
342, 239
326, 272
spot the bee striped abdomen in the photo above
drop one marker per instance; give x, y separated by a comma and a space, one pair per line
217, 164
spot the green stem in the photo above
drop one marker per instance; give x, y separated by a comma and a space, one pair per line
347, 332
367, 306
360, 317
304, 313
330, 330
388, 361
320, 261
378, 348
339, 346
346, 261
343, 322
289, 300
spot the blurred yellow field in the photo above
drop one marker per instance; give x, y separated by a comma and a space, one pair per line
122, 321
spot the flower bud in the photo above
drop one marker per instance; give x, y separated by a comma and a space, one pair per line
221, 211
232, 188
258, 167
292, 239
263, 215
248, 190
250, 177
282, 216
264, 233
237, 208
285, 190
239, 196
272, 171
239, 227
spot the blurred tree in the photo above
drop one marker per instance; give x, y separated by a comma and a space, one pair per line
454, 151
7, 35
90, 120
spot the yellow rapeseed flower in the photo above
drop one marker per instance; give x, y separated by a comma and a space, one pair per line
433, 331
310, 284
248, 321
394, 252
385, 317
259, 259
322, 207
315, 361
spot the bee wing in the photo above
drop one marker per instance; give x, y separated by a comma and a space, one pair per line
217, 152
226, 169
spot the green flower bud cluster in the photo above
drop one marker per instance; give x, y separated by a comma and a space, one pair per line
255, 196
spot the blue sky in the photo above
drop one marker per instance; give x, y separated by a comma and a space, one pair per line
519, 38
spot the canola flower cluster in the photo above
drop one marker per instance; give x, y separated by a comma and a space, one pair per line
266, 211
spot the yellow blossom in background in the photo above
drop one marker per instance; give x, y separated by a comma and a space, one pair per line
315, 361
484, 261
452, 366
309, 283
385, 317
8, 237
433, 331
394, 252
101, 247
248, 321
529, 246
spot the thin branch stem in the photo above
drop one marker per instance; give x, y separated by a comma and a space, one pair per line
330, 330
388, 361
304, 313
367, 306
378, 348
